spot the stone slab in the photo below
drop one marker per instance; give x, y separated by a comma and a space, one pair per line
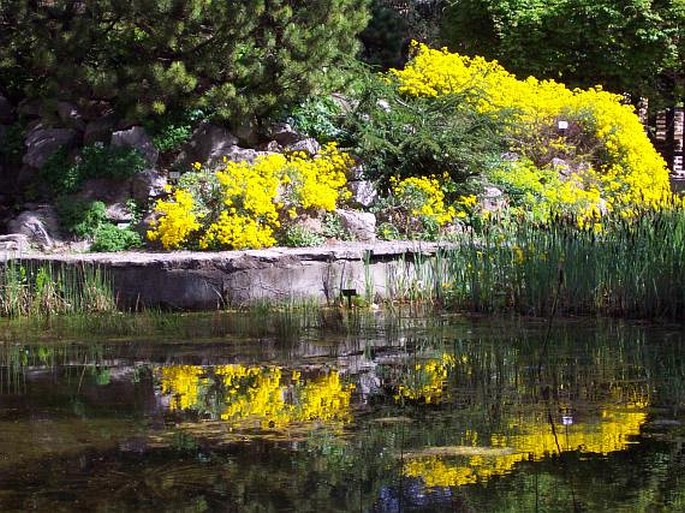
206, 280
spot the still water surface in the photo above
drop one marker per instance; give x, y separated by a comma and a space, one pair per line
338, 411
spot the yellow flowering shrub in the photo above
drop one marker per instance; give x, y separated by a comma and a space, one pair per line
254, 199
417, 205
249, 214
613, 164
319, 182
176, 220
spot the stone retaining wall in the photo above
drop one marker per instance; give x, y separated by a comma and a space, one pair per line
200, 281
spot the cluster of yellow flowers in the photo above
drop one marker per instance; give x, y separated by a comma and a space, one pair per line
531, 439
261, 395
426, 381
175, 220
423, 199
614, 164
255, 199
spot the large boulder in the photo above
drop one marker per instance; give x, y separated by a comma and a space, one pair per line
40, 224
361, 225
283, 134
208, 145
310, 146
137, 138
148, 185
41, 143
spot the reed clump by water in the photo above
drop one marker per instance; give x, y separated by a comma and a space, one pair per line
623, 267
33, 290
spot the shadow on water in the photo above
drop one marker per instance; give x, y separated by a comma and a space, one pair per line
339, 410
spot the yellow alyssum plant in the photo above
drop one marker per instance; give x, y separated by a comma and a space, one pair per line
619, 166
175, 220
418, 204
255, 199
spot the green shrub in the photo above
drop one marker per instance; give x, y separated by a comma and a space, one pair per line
402, 137
109, 237
81, 218
318, 117
300, 236
60, 175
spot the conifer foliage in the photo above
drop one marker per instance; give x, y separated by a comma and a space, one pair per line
235, 58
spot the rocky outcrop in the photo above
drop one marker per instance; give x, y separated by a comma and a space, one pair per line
40, 225
41, 143
137, 138
208, 145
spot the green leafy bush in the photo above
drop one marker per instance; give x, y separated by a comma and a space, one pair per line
300, 236
319, 117
60, 175
81, 218
109, 237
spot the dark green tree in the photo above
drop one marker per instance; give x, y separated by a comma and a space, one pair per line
236, 58
633, 46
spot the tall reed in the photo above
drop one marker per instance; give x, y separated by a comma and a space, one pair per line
30, 289
626, 267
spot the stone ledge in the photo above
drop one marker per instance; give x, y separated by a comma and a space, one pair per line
207, 280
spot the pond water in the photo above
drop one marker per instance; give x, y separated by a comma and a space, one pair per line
341, 411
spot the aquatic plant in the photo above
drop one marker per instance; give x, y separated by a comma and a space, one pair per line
29, 289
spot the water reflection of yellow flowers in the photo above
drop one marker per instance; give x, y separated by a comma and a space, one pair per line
427, 379
530, 440
261, 395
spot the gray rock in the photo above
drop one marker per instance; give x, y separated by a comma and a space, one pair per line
283, 134
247, 133
107, 190
41, 143
310, 146
238, 154
364, 192
6, 111
147, 185
119, 213
40, 225
361, 225
493, 199
98, 130
208, 145
70, 116
137, 138
14, 242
